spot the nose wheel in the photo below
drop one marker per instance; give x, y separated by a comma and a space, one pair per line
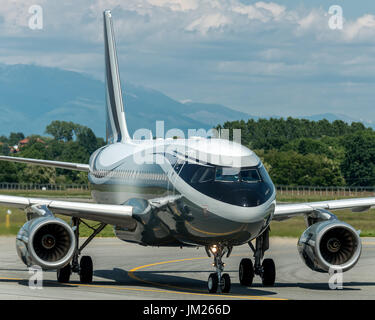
212, 283
225, 283
218, 280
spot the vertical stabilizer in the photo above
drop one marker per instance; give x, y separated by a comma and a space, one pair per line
116, 129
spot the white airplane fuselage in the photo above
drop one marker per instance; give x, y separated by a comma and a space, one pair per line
185, 192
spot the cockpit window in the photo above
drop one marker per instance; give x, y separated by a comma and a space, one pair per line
178, 165
203, 174
245, 187
227, 174
250, 175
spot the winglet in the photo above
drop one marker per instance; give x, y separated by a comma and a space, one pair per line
116, 128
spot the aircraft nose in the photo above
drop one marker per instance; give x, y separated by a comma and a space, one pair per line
245, 198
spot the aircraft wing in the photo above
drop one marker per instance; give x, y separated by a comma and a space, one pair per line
106, 213
49, 163
285, 211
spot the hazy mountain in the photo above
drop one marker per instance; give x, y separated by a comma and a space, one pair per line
337, 116
33, 96
213, 114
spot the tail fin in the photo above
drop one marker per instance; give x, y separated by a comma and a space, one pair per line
116, 129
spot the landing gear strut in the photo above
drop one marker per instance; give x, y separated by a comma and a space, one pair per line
266, 269
218, 279
85, 267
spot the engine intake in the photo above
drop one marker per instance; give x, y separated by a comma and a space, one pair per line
46, 241
330, 244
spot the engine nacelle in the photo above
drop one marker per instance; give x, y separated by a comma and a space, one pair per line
48, 242
330, 244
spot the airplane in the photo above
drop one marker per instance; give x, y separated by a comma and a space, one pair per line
195, 192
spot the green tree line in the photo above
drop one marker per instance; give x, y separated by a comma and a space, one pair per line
68, 141
294, 151
311, 153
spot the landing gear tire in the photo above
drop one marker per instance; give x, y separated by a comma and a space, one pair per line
85, 269
269, 273
246, 272
212, 283
225, 283
63, 274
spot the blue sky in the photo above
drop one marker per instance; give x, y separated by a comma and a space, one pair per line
260, 57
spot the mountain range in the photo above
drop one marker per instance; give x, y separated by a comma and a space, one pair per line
32, 96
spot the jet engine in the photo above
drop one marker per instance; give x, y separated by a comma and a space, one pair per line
48, 242
330, 244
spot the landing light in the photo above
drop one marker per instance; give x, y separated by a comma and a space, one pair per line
213, 249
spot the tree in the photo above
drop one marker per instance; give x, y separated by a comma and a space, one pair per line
9, 172
61, 130
358, 165
87, 139
292, 168
5, 149
38, 175
14, 138
34, 149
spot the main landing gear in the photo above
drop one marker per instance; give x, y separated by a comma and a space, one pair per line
85, 267
218, 279
266, 269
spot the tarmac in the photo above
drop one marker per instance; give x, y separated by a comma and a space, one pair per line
129, 271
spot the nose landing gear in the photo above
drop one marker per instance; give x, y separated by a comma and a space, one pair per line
218, 279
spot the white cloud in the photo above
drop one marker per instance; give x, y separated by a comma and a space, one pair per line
208, 22
312, 20
363, 26
272, 7
176, 5
260, 10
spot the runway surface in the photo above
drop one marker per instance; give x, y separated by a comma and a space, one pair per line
129, 271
